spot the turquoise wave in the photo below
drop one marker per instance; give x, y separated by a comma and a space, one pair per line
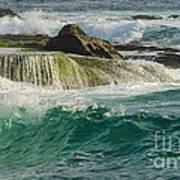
96, 142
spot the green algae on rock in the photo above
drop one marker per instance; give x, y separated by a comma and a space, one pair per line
23, 41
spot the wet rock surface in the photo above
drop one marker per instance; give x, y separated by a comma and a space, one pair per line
147, 17
72, 39
7, 12
169, 59
167, 56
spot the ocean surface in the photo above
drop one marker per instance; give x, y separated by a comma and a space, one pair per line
106, 19
128, 131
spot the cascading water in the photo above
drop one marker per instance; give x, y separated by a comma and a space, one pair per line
36, 69
63, 72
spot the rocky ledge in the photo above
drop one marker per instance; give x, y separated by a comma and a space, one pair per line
61, 71
167, 56
24, 41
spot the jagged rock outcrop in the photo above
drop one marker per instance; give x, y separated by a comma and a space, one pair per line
72, 39
7, 12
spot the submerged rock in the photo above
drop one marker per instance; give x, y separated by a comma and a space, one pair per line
147, 17
72, 39
7, 12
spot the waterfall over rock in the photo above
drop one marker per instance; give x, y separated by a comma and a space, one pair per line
76, 72
36, 69
56, 70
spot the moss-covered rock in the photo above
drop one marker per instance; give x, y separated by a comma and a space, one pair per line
57, 70
23, 41
72, 39
77, 72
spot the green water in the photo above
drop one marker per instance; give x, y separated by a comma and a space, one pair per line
124, 132
100, 133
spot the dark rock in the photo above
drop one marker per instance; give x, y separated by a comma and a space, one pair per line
166, 56
136, 47
7, 12
147, 17
72, 39
169, 59
174, 16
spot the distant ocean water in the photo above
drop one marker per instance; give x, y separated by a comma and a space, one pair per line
78, 5
129, 131
46, 17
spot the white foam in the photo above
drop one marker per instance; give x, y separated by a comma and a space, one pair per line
112, 26
39, 22
39, 99
121, 32
35, 22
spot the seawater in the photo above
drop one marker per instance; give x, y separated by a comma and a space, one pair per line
109, 20
128, 131
99, 133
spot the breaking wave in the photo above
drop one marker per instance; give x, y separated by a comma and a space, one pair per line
103, 140
122, 30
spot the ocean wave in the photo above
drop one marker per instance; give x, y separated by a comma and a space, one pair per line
122, 30
161, 35
78, 139
97, 132
39, 22
117, 32
35, 22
